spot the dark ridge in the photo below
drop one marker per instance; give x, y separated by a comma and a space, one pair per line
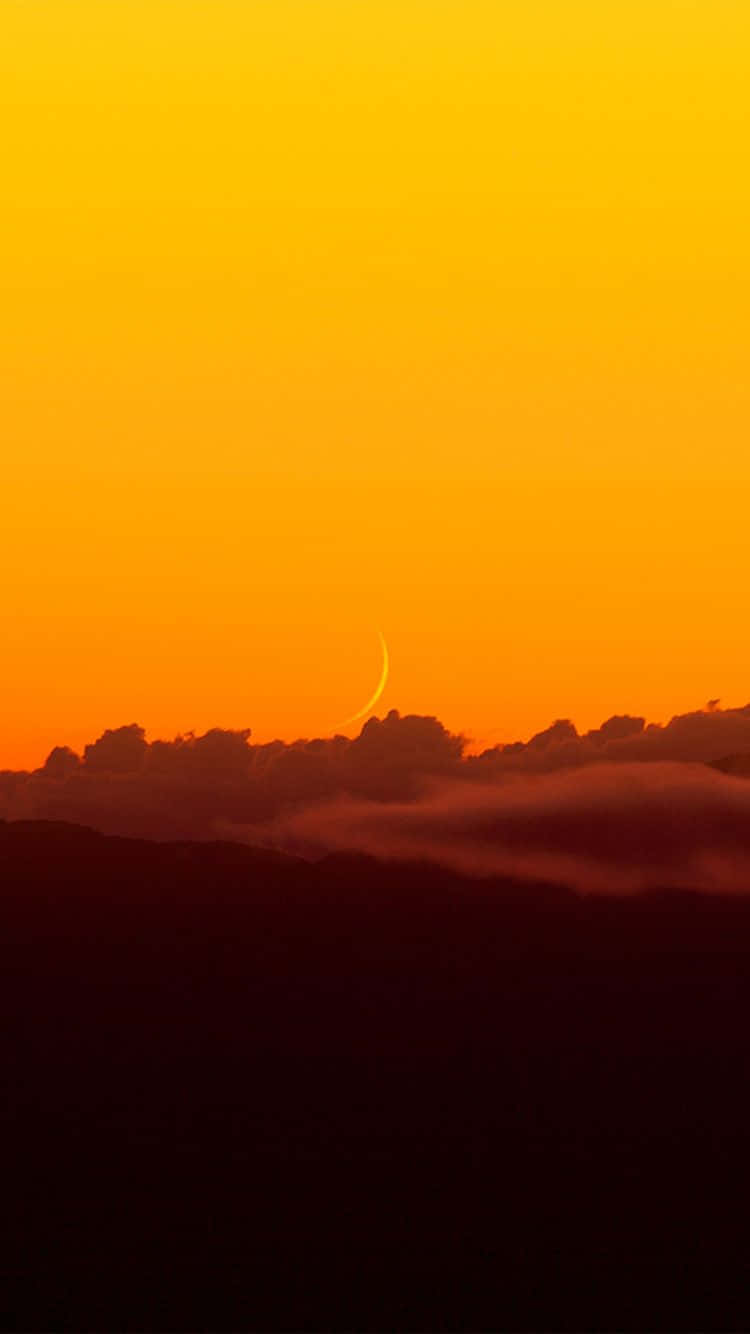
243, 1091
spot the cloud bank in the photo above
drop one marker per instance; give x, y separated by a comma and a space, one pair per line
705, 735
186, 788
619, 828
622, 806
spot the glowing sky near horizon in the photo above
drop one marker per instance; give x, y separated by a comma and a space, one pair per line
320, 317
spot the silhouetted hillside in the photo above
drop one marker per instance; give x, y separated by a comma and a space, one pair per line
244, 1091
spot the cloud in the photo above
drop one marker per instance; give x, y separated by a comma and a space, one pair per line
406, 786
618, 828
706, 735
186, 788
122, 750
61, 762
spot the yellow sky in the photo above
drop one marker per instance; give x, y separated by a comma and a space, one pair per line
324, 315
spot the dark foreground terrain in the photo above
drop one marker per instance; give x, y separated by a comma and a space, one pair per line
244, 1092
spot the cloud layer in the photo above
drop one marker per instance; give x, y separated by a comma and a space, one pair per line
623, 806
706, 735
619, 828
188, 787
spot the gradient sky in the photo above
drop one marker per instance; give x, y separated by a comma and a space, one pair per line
321, 316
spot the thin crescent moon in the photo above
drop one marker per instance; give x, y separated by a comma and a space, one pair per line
380, 687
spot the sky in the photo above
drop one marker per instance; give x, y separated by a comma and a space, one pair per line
325, 318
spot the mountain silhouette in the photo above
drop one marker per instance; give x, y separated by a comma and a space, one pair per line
244, 1091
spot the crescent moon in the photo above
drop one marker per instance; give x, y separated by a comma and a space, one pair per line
380, 687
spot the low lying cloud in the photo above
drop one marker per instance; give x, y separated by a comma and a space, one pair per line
623, 805
618, 828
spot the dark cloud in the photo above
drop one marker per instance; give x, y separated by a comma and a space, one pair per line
706, 735
61, 762
121, 750
203, 786
188, 786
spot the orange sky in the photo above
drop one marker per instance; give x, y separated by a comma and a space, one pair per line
413, 314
